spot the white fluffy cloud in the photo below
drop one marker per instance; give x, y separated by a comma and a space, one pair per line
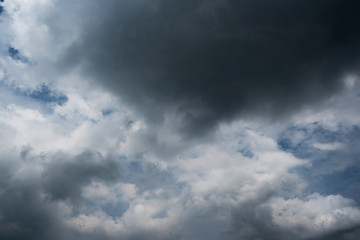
314, 215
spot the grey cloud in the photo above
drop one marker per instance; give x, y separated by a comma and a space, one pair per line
251, 222
347, 234
254, 220
24, 211
204, 62
209, 61
26, 214
64, 179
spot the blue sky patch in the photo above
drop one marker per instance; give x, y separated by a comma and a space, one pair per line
246, 153
333, 171
299, 140
115, 209
106, 112
16, 55
345, 183
45, 94
1, 7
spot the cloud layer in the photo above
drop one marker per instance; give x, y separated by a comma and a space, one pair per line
207, 61
179, 120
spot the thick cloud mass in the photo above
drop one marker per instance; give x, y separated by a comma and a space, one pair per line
207, 61
28, 201
78, 161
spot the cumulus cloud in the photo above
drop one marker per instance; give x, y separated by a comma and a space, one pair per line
314, 217
104, 107
315, 214
31, 189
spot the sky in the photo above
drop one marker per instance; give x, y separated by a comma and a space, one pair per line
181, 120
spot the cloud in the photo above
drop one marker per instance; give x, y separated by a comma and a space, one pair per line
209, 61
328, 146
317, 214
77, 163
27, 212
211, 191
315, 217
65, 179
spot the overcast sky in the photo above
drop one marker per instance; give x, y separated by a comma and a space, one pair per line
181, 120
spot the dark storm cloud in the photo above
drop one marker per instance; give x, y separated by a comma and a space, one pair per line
352, 233
214, 60
26, 214
23, 212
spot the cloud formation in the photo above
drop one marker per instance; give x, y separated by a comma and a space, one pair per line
208, 61
31, 191
100, 126
64, 179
